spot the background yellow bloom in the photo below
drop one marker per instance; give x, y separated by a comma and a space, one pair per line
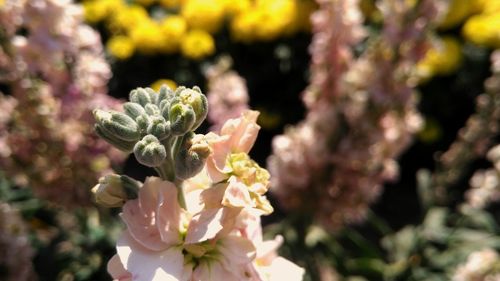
158, 83
120, 47
197, 44
173, 29
206, 15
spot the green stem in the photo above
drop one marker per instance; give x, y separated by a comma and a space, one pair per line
180, 194
167, 169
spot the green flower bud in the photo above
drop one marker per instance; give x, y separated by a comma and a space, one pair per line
114, 190
152, 109
117, 124
143, 121
149, 151
126, 146
159, 128
191, 157
140, 96
165, 94
133, 109
164, 108
153, 96
196, 100
182, 119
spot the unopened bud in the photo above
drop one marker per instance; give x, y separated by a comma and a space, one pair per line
133, 109
165, 94
140, 96
197, 101
159, 128
190, 159
152, 109
126, 146
114, 190
182, 119
150, 152
117, 124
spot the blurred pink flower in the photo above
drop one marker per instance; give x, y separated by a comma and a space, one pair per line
227, 94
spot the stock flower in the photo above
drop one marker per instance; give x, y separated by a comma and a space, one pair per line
480, 265
197, 44
120, 47
227, 94
166, 242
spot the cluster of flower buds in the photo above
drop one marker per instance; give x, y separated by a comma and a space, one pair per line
201, 219
480, 265
157, 128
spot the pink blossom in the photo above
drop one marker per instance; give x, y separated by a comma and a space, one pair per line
166, 242
237, 135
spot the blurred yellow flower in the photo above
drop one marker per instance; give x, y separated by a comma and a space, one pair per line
303, 11
158, 83
243, 26
173, 29
147, 37
170, 3
95, 11
145, 2
120, 47
442, 59
458, 11
235, 7
483, 30
206, 15
127, 17
487, 6
197, 44
261, 22
98, 10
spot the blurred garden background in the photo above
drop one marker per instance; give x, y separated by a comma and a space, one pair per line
379, 126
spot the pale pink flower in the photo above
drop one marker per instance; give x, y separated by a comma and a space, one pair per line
236, 136
227, 94
152, 247
165, 242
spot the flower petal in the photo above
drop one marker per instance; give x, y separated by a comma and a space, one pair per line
169, 214
140, 215
243, 131
213, 271
283, 269
117, 271
204, 225
146, 265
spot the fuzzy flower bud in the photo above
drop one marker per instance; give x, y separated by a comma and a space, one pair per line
149, 151
159, 128
140, 96
197, 101
133, 110
191, 158
114, 190
182, 118
117, 125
